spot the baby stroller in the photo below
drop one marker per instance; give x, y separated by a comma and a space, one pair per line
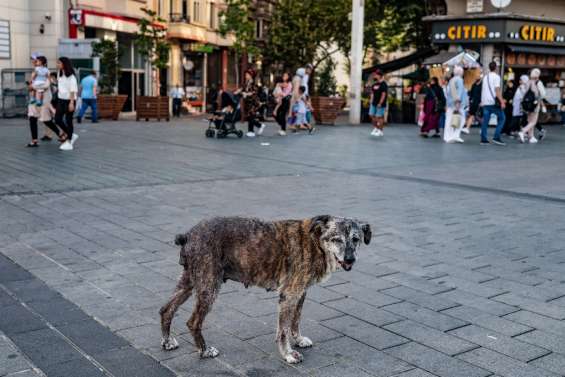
222, 123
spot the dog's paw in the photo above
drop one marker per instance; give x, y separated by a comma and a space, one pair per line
209, 352
293, 357
169, 343
303, 342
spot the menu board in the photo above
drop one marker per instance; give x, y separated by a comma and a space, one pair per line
475, 6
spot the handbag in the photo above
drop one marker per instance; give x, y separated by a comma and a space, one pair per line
456, 120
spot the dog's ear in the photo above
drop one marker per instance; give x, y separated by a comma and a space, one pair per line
367, 234
318, 223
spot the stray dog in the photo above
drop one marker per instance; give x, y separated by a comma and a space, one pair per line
287, 256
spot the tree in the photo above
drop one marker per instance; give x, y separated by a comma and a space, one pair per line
326, 84
109, 53
235, 21
151, 40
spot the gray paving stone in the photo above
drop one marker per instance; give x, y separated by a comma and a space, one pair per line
554, 362
364, 332
500, 343
92, 337
487, 321
538, 321
418, 283
436, 362
11, 360
478, 302
432, 338
545, 340
365, 312
414, 373
45, 347
536, 306
17, 319
339, 370
73, 367
420, 298
126, 362
425, 316
503, 365
478, 289
366, 295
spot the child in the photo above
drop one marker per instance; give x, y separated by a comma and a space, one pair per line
299, 111
39, 80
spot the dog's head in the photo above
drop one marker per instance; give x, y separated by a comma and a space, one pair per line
340, 237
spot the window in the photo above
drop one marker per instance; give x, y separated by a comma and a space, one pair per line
5, 40
259, 29
196, 12
185, 9
213, 16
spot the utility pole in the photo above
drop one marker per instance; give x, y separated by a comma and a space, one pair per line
357, 25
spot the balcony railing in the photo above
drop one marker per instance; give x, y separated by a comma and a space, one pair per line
179, 17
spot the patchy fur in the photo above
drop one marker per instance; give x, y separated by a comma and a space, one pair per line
287, 256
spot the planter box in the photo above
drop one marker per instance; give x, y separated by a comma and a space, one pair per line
152, 108
109, 107
326, 109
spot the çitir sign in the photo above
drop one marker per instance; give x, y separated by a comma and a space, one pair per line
498, 31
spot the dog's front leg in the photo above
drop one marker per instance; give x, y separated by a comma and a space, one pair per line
299, 340
287, 306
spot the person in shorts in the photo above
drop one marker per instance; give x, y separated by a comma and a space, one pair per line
377, 110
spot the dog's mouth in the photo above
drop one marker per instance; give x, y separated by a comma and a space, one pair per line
345, 265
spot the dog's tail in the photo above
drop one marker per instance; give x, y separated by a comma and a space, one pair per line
181, 240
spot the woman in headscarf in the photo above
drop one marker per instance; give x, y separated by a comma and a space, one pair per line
251, 103
457, 101
537, 87
434, 104
517, 111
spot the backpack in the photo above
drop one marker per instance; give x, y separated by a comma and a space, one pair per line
529, 102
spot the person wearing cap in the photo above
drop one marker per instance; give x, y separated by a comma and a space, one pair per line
88, 91
251, 103
378, 100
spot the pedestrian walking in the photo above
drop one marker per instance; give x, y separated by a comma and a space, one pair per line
88, 92
434, 104
251, 103
508, 95
67, 90
474, 105
457, 101
533, 105
43, 114
518, 115
177, 94
377, 109
282, 94
300, 109
493, 103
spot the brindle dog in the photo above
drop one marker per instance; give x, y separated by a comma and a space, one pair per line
287, 256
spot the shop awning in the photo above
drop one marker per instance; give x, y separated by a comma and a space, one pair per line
441, 58
403, 62
537, 50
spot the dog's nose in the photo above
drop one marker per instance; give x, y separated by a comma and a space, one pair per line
349, 260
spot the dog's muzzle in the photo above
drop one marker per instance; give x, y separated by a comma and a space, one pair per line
347, 263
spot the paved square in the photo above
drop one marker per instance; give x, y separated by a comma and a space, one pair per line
464, 276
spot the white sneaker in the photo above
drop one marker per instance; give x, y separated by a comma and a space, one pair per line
459, 140
465, 130
74, 139
380, 133
66, 146
533, 140
282, 133
522, 137
375, 132
250, 134
261, 129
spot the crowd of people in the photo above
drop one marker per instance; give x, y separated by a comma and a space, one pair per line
53, 100
449, 106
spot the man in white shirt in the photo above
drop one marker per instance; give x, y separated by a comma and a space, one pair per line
177, 94
491, 92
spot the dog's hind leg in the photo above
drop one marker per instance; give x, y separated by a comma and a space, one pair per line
299, 340
287, 308
204, 303
182, 293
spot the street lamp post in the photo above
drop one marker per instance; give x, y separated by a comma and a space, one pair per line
357, 21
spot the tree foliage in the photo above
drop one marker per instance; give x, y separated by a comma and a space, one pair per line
325, 82
151, 39
235, 20
109, 53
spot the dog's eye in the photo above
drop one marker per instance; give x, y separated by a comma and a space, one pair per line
337, 240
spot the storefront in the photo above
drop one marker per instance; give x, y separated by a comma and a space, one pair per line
517, 43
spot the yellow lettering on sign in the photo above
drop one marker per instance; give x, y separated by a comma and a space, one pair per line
466, 30
538, 33
481, 32
550, 37
525, 32
451, 32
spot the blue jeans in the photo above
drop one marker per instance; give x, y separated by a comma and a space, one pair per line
86, 103
500, 117
442, 120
